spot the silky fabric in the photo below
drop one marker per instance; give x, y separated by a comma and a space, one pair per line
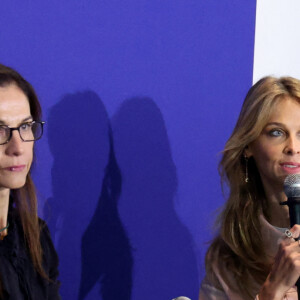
18, 278
272, 237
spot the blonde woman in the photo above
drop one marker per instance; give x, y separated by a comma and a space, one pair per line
252, 256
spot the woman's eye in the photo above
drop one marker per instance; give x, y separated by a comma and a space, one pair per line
276, 132
26, 126
3, 131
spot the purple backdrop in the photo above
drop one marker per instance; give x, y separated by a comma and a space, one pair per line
139, 98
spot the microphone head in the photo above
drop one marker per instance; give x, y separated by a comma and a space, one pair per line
292, 185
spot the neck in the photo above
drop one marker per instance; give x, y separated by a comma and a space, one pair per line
279, 214
4, 202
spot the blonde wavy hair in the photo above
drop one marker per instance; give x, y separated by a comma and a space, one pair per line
238, 246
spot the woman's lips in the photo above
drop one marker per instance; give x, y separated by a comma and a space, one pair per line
18, 168
290, 167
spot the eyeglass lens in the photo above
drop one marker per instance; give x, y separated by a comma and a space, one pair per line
28, 132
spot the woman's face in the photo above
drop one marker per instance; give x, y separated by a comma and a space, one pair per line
277, 150
16, 155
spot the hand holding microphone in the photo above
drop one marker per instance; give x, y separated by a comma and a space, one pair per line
286, 267
292, 191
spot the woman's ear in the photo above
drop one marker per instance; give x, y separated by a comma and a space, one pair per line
247, 152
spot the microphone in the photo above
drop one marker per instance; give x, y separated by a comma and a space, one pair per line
292, 190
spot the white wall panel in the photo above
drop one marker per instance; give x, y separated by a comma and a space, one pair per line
277, 38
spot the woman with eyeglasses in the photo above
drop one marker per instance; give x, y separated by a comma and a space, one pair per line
28, 260
255, 254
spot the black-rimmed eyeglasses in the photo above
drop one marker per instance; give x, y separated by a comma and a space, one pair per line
28, 131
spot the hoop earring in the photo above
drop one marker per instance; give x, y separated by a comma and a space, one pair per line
246, 169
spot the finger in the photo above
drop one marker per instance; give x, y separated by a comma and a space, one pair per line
295, 230
288, 248
294, 247
287, 263
287, 241
290, 271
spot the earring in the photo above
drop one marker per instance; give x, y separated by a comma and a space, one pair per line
246, 169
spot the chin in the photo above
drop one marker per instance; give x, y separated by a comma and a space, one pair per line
14, 185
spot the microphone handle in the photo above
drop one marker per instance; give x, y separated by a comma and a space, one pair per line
294, 212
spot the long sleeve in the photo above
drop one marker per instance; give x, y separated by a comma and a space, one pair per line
18, 277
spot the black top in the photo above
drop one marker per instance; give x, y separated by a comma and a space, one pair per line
17, 274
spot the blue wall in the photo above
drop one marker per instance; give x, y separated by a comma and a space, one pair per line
139, 98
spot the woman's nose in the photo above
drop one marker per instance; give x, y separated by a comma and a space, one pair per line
292, 146
15, 146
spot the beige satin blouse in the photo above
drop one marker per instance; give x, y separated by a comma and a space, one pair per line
272, 238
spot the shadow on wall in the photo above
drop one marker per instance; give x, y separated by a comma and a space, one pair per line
81, 143
106, 252
165, 265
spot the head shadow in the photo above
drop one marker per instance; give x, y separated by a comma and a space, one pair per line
81, 143
106, 251
163, 247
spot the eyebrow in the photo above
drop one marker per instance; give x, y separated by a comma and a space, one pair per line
275, 123
24, 120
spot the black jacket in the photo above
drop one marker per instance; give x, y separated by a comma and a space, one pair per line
19, 280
